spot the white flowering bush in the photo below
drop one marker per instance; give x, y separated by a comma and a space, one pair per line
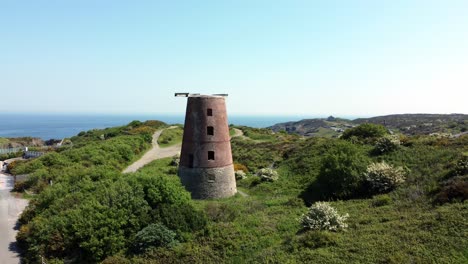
240, 175
267, 174
461, 168
383, 177
322, 216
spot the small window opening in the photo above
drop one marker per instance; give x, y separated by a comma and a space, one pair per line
209, 112
190, 160
211, 155
210, 131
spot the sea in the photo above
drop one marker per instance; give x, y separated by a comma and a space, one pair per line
59, 126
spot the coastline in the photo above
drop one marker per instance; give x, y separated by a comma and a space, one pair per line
59, 126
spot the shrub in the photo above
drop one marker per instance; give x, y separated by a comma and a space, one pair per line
322, 216
342, 172
254, 181
240, 175
154, 235
453, 190
382, 177
461, 168
20, 186
11, 166
242, 167
267, 174
386, 144
180, 218
365, 133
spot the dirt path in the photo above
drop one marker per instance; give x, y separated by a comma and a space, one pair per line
156, 152
10, 208
238, 133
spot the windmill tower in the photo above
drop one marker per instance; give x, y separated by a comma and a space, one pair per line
206, 168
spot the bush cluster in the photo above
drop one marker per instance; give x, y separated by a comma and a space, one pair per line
322, 216
386, 144
267, 174
461, 168
365, 133
342, 171
153, 236
453, 190
382, 177
11, 155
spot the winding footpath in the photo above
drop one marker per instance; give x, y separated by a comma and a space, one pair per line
156, 152
10, 209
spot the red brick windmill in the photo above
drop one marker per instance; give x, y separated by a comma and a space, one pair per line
206, 168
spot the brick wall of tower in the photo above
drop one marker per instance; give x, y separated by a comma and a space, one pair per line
197, 141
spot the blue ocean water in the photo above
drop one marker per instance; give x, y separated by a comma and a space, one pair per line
57, 126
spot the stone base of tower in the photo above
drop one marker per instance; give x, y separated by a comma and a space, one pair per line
209, 183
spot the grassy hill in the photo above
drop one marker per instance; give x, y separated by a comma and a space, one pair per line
93, 213
417, 124
409, 124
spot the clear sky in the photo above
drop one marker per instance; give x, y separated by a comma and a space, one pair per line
342, 58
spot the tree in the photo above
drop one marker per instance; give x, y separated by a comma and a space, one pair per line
342, 171
154, 235
365, 133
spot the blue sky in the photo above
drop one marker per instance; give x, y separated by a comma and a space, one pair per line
317, 58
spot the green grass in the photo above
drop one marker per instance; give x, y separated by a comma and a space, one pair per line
171, 137
3, 141
326, 132
160, 166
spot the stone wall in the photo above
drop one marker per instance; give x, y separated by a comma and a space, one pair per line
209, 183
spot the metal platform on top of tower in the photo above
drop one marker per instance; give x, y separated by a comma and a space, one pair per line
198, 95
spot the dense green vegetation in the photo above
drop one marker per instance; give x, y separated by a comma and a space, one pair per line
367, 133
11, 155
92, 212
86, 210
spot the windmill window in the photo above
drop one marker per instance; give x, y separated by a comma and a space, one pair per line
211, 155
191, 160
209, 112
210, 131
